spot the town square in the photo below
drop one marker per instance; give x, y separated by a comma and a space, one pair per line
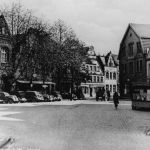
74, 75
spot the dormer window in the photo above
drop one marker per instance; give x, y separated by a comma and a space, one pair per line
111, 63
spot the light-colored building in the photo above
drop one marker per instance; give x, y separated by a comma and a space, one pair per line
110, 68
96, 81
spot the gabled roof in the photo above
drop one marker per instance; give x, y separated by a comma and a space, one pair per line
142, 30
104, 59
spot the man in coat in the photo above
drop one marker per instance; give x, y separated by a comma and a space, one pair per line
116, 99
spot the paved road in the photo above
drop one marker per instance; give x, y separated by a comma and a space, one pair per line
76, 125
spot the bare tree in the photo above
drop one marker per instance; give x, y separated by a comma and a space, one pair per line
70, 54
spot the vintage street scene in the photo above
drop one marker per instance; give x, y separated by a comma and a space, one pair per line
74, 75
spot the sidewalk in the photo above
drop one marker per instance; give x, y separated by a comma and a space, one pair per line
68, 102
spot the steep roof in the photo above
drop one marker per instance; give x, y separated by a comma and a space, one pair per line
143, 33
104, 59
115, 57
142, 30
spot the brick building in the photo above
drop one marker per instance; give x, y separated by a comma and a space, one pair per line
134, 57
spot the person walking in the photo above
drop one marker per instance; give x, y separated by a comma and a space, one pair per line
116, 100
108, 95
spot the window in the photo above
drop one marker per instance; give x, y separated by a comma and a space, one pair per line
114, 88
98, 68
137, 66
130, 49
101, 79
123, 50
110, 75
94, 78
91, 78
107, 87
110, 63
141, 65
107, 75
114, 76
98, 79
131, 67
138, 47
148, 69
94, 68
3, 56
111, 88
124, 68
90, 68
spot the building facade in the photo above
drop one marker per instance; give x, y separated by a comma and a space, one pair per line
96, 81
5, 47
134, 58
110, 68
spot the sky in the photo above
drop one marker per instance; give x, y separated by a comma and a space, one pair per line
100, 23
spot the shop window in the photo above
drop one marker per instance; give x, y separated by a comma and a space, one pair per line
114, 88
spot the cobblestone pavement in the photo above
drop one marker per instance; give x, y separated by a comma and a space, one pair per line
75, 125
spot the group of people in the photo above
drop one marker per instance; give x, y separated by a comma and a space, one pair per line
101, 94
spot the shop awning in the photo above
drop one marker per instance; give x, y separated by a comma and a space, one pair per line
35, 82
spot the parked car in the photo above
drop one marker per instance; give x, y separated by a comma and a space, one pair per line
13, 98
57, 96
48, 98
70, 96
34, 96
4, 98
20, 95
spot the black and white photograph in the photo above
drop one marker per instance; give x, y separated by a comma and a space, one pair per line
74, 75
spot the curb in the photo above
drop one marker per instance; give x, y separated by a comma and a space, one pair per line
5, 142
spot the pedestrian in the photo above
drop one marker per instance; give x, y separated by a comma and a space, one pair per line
97, 94
108, 95
116, 99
